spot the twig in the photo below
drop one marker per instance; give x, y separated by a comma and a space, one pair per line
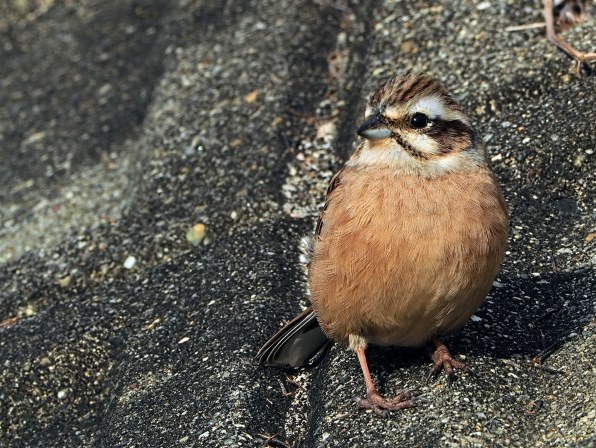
527, 26
579, 56
8, 322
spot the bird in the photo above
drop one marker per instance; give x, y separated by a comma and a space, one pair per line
412, 233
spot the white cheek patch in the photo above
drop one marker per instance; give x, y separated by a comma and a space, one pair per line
422, 143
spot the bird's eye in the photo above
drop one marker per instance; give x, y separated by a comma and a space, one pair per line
419, 121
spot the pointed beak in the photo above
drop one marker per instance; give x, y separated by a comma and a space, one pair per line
374, 129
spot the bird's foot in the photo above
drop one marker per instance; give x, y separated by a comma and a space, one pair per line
443, 361
383, 406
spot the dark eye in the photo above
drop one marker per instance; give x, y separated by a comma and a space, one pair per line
419, 121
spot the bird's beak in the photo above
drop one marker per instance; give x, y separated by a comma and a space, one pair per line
373, 129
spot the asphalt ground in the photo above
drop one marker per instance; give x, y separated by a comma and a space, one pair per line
160, 163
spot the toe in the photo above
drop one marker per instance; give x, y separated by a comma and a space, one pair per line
383, 406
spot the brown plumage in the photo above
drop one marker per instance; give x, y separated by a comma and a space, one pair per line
411, 236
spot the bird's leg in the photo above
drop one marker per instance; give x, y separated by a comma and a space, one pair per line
374, 400
443, 361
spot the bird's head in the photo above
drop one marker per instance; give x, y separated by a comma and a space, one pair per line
413, 124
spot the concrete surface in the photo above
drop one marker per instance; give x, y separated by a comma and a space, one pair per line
124, 125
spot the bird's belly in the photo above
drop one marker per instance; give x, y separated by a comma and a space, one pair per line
390, 298
400, 280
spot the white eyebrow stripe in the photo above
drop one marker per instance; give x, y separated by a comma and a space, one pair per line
432, 106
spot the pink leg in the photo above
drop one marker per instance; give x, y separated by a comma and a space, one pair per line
374, 400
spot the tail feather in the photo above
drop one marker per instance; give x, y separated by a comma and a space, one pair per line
296, 343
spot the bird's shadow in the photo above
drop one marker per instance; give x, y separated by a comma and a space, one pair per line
529, 317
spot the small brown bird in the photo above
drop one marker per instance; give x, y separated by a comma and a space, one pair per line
411, 236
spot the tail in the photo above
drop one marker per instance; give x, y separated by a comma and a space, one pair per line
296, 343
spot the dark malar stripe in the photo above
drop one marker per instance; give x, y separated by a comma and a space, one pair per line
409, 148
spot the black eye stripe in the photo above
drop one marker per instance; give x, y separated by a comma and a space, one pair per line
439, 126
450, 134
454, 128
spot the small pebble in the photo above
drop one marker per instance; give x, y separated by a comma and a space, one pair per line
130, 262
579, 160
196, 234
64, 282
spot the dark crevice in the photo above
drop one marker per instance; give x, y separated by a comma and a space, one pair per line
306, 54
317, 390
351, 91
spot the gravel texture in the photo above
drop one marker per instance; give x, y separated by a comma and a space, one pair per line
160, 163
